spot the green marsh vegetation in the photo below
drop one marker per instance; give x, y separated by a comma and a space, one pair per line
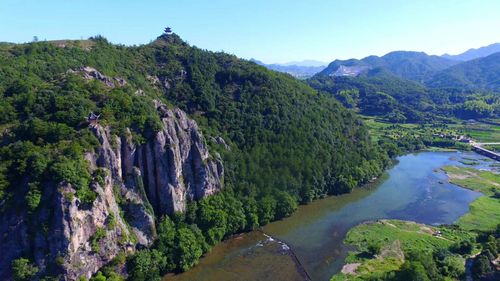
402, 250
396, 250
484, 212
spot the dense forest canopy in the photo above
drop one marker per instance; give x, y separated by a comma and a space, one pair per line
399, 100
482, 73
287, 143
283, 142
415, 87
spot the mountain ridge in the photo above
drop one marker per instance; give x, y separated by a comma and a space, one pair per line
475, 53
410, 65
480, 73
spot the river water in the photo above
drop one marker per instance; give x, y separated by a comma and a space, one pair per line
308, 245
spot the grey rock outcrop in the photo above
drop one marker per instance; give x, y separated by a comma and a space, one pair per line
90, 73
174, 167
82, 239
141, 182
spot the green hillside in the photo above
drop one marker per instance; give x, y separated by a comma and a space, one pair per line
399, 100
481, 73
286, 143
416, 66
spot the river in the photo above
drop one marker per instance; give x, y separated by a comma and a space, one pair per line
309, 243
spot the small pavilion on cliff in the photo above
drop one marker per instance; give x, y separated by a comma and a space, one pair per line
93, 119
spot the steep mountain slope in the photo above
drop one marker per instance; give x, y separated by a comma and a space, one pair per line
475, 53
415, 66
226, 144
482, 73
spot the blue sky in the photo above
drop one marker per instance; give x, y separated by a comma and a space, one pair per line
269, 30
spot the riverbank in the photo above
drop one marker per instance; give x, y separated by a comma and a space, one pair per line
386, 248
383, 246
414, 189
484, 212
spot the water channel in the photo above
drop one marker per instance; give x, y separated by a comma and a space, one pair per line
308, 245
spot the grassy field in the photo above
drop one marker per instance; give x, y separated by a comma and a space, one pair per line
484, 213
470, 178
379, 128
480, 132
390, 239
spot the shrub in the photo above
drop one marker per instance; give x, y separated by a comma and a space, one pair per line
96, 237
23, 269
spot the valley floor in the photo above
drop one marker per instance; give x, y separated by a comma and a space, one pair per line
383, 245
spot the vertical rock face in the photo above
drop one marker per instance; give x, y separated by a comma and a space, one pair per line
142, 181
84, 239
177, 165
174, 167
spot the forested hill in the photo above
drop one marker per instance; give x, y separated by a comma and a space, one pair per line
415, 87
280, 143
475, 53
482, 73
399, 100
416, 66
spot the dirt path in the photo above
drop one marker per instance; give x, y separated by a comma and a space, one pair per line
423, 229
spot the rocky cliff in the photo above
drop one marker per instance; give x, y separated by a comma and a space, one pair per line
138, 183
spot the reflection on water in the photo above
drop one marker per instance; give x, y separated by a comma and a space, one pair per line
414, 189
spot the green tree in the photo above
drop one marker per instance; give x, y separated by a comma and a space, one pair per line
212, 219
285, 205
23, 269
251, 213
188, 250
481, 267
453, 266
236, 220
34, 196
463, 247
147, 265
267, 209
98, 277
166, 242
412, 271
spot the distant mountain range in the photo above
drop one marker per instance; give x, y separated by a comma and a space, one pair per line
475, 53
415, 66
481, 73
473, 69
306, 63
407, 86
298, 69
